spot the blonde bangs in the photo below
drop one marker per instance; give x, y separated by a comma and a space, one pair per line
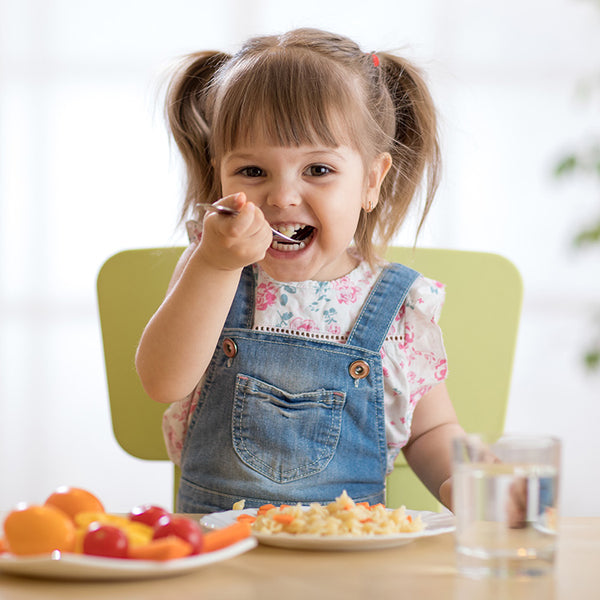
286, 102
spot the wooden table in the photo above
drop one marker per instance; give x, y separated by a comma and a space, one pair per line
424, 569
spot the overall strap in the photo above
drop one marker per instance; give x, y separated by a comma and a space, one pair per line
382, 306
241, 313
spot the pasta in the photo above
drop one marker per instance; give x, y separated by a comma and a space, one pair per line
342, 517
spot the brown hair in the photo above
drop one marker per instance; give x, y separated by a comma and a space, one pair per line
304, 87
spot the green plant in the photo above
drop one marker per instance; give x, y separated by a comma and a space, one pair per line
585, 162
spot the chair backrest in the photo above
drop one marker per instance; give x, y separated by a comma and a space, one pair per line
131, 286
479, 320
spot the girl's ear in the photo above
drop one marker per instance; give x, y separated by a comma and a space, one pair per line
375, 176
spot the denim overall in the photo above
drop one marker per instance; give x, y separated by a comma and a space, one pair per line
284, 419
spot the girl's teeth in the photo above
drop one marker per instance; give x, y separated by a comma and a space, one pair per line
288, 230
291, 229
287, 247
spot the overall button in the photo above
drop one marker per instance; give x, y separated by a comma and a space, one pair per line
359, 369
229, 347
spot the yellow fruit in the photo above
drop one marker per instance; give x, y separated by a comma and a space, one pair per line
137, 533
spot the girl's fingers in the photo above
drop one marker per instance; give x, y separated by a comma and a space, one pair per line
250, 222
236, 239
235, 201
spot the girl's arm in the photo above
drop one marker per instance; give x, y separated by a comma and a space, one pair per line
178, 342
429, 449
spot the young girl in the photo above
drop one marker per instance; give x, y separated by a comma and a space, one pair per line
299, 369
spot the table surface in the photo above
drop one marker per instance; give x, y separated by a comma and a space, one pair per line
424, 568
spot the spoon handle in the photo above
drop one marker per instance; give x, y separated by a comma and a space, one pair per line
225, 210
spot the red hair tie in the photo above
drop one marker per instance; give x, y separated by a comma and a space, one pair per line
375, 59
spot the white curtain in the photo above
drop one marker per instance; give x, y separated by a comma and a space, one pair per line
86, 170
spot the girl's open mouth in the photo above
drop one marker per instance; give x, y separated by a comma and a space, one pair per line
301, 235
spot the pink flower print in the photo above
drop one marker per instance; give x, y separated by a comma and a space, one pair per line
345, 292
175, 441
334, 329
300, 324
265, 296
441, 369
194, 231
409, 337
418, 394
439, 285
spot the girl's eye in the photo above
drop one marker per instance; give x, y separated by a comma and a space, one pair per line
318, 170
251, 171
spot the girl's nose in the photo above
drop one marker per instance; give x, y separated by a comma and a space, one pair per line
282, 194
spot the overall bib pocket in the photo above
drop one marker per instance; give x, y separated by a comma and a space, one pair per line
284, 436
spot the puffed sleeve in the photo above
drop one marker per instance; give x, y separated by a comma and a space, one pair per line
414, 359
175, 423
194, 231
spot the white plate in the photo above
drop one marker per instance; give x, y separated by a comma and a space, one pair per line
435, 524
81, 566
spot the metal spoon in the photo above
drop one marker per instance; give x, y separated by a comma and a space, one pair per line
225, 210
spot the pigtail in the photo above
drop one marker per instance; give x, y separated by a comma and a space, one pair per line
188, 113
412, 128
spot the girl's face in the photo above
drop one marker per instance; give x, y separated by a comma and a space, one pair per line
316, 192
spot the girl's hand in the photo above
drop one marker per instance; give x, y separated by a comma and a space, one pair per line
516, 508
232, 242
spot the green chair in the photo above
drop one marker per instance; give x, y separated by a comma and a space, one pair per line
479, 319
131, 285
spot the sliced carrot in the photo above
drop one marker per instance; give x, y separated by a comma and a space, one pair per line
220, 538
284, 519
374, 506
246, 518
364, 504
409, 518
166, 548
3, 545
264, 508
285, 506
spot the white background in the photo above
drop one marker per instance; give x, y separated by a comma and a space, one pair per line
86, 170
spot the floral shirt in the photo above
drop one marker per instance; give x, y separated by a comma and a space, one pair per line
413, 354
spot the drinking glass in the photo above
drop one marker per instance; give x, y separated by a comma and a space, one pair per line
505, 499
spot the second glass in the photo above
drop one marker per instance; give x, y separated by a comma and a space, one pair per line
505, 497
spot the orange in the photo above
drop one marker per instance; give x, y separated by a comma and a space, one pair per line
72, 501
38, 530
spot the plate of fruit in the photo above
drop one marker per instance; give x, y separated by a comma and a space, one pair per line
72, 536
